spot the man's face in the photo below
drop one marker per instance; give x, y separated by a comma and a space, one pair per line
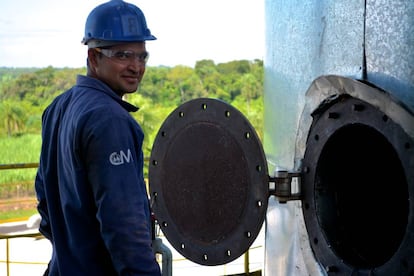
121, 67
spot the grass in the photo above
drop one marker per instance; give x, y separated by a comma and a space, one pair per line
17, 208
16, 150
17, 198
16, 215
20, 149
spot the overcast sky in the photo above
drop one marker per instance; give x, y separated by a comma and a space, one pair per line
40, 33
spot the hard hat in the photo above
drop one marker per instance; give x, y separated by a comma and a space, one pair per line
115, 22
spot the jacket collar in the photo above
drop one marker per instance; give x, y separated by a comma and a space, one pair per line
99, 85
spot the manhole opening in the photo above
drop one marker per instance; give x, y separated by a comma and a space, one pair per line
361, 196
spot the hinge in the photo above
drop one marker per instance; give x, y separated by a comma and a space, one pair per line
285, 185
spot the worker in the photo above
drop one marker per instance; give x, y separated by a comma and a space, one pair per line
90, 185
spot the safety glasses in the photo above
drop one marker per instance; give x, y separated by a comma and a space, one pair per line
124, 56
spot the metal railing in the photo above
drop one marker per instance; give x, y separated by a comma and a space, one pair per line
7, 237
13, 236
166, 262
160, 248
18, 166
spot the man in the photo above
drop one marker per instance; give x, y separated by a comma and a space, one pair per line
90, 184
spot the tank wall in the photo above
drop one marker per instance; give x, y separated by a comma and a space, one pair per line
304, 39
307, 39
390, 47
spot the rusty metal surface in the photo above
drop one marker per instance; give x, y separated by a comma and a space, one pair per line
208, 181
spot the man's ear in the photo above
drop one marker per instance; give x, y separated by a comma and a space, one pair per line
92, 57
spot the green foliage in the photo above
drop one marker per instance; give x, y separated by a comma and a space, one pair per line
25, 93
16, 150
19, 214
20, 149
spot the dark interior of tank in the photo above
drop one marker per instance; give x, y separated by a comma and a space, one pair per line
361, 194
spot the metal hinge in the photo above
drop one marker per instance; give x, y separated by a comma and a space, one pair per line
285, 185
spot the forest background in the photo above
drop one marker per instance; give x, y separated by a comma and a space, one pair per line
26, 92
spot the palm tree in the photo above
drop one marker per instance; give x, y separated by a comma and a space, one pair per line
12, 117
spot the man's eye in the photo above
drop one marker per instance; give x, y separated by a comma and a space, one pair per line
143, 56
123, 55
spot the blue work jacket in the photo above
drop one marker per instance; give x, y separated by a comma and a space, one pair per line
90, 186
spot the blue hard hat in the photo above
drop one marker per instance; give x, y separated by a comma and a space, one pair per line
116, 21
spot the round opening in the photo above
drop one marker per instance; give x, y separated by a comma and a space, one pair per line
361, 196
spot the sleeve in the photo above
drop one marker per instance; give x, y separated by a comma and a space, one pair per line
42, 206
115, 170
44, 227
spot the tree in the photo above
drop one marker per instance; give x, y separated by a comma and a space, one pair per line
12, 117
25, 93
185, 81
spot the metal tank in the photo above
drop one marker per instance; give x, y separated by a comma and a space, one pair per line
334, 182
339, 105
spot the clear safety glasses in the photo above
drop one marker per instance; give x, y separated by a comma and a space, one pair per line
124, 56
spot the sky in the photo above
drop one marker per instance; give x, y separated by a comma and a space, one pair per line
41, 33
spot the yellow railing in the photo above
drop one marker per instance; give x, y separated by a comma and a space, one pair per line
18, 166
7, 237
8, 261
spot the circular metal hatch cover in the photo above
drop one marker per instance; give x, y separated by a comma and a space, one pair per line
208, 181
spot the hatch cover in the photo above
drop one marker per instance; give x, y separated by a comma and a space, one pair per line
208, 181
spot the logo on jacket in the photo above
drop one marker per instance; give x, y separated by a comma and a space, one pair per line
119, 158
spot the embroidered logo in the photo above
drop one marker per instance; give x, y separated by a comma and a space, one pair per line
119, 158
